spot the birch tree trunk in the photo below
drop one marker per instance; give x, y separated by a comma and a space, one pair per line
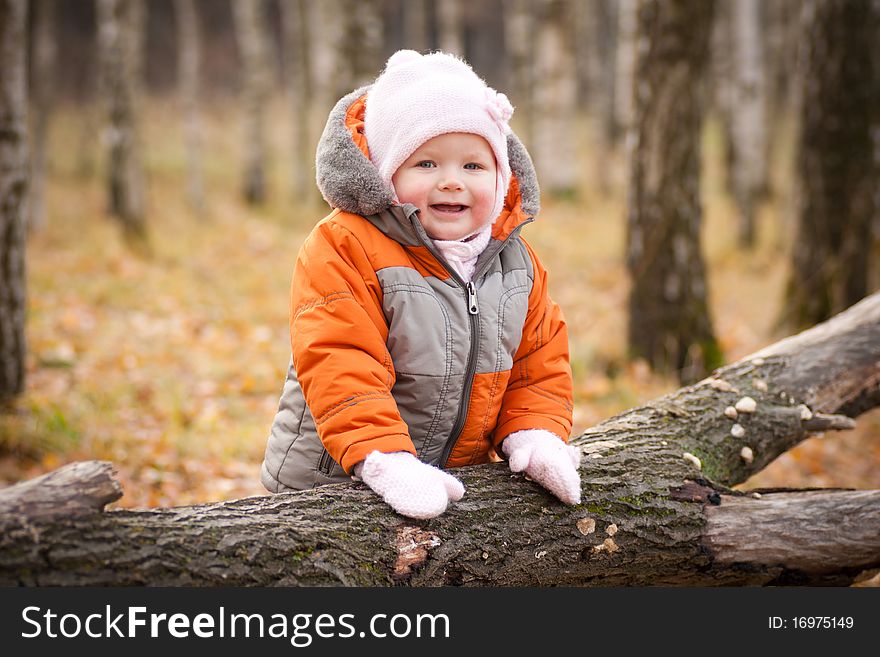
656, 504
119, 27
519, 50
837, 172
594, 41
782, 42
450, 26
326, 20
748, 120
13, 195
43, 84
721, 84
874, 270
416, 35
603, 102
189, 55
625, 61
782, 39
361, 43
555, 99
250, 30
299, 88
669, 323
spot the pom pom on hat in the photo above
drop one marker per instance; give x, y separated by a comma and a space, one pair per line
418, 97
402, 57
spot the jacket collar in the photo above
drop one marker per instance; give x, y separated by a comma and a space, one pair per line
348, 180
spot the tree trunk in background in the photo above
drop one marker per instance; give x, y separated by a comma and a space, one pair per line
837, 173
749, 120
189, 55
13, 195
519, 50
361, 44
584, 22
720, 86
554, 149
669, 323
119, 29
450, 26
416, 32
295, 34
603, 101
781, 40
42, 88
595, 43
250, 31
874, 269
328, 25
624, 62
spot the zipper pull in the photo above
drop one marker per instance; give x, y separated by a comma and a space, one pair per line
473, 308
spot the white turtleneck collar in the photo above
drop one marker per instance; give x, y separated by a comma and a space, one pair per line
462, 254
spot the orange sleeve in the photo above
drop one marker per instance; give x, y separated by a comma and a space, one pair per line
539, 393
338, 338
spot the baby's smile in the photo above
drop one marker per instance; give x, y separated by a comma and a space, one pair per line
449, 208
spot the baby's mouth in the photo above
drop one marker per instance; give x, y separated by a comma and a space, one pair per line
450, 208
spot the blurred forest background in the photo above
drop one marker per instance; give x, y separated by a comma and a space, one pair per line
709, 186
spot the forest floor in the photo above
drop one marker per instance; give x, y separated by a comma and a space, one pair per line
169, 363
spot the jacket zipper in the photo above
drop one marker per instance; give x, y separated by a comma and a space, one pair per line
325, 463
474, 315
470, 371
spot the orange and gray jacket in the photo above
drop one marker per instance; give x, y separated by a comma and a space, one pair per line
392, 351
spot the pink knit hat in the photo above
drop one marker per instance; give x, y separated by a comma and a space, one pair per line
418, 97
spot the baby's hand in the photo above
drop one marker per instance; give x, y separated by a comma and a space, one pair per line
409, 486
546, 459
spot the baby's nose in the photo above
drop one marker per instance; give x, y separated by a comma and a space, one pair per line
450, 182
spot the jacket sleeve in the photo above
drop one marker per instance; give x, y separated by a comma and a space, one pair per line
338, 338
539, 393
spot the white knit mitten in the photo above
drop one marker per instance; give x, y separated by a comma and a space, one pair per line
409, 486
546, 459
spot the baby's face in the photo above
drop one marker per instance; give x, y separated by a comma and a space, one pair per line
451, 180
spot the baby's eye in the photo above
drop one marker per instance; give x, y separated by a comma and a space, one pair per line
425, 164
473, 166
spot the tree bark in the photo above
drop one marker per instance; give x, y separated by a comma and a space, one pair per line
749, 121
250, 32
591, 26
519, 49
657, 508
624, 65
837, 173
42, 95
450, 26
327, 24
295, 35
781, 41
361, 43
416, 30
554, 149
669, 323
720, 83
120, 25
607, 134
189, 55
13, 195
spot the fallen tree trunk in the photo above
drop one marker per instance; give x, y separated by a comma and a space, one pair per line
657, 504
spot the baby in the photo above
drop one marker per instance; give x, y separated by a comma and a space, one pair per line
423, 336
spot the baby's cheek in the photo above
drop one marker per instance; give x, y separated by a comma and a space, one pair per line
483, 207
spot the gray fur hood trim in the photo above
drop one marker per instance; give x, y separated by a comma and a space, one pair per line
349, 181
